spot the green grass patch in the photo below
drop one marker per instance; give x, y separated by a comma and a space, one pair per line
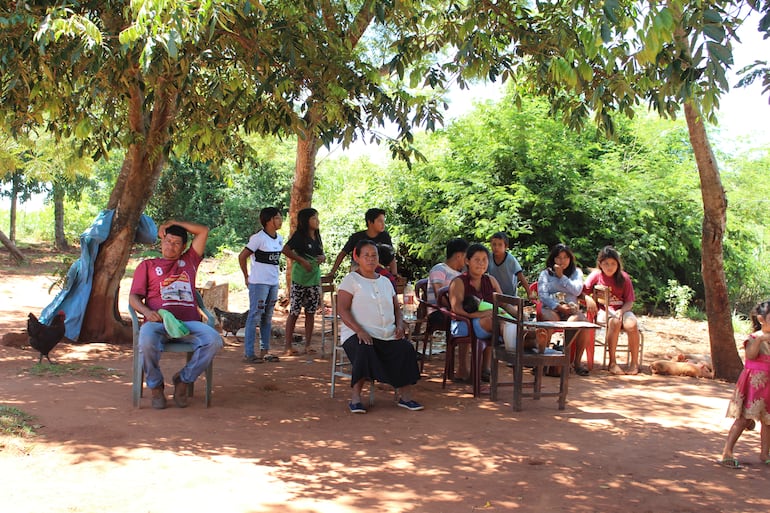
695, 314
14, 422
741, 324
72, 369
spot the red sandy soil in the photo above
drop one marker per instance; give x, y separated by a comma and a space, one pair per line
275, 441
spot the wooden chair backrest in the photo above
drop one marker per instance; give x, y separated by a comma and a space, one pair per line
514, 306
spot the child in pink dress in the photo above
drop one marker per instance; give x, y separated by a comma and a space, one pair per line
751, 398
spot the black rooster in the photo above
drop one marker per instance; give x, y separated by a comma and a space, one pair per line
44, 338
231, 322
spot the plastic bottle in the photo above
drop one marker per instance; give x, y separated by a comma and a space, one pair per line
410, 306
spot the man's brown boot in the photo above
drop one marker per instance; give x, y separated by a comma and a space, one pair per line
180, 391
158, 398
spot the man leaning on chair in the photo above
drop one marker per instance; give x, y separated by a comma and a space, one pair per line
168, 283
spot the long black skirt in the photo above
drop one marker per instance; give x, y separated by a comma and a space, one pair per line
388, 361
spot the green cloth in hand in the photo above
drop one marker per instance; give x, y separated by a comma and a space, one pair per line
174, 327
486, 305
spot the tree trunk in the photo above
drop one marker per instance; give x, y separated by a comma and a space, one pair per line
8, 243
304, 179
724, 353
60, 240
15, 185
133, 189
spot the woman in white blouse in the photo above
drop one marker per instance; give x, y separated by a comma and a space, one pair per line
372, 331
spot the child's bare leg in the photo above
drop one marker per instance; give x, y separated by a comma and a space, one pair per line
543, 335
631, 327
291, 321
309, 321
732, 437
613, 332
764, 457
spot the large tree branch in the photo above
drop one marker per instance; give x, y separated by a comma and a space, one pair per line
328, 15
361, 22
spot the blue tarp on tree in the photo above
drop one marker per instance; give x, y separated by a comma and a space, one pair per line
73, 298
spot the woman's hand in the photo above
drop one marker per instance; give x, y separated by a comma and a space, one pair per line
558, 270
590, 304
364, 337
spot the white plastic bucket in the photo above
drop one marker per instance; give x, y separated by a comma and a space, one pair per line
509, 335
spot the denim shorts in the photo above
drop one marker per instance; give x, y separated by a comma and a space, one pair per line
460, 329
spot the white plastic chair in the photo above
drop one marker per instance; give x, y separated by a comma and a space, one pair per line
341, 366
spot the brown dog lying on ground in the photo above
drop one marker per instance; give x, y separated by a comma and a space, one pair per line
687, 368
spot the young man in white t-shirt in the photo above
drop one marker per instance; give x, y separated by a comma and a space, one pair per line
264, 251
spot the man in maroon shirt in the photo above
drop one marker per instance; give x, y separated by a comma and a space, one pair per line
169, 283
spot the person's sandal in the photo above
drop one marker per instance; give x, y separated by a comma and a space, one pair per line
732, 463
582, 371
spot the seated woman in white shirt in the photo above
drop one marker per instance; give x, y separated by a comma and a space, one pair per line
372, 331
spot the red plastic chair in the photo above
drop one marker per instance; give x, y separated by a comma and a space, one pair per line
590, 317
478, 345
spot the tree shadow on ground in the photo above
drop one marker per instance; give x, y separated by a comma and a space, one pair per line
635, 444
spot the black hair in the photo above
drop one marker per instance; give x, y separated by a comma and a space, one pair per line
457, 245
610, 252
559, 248
372, 214
761, 310
266, 214
386, 254
178, 231
502, 236
471, 304
361, 244
303, 222
476, 248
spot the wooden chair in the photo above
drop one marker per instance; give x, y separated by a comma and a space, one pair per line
327, 287
477, 345
424, 309
341, 366
590, 350
602, 297
174, 345
520, 358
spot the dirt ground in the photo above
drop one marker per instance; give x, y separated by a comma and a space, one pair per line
275, 441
